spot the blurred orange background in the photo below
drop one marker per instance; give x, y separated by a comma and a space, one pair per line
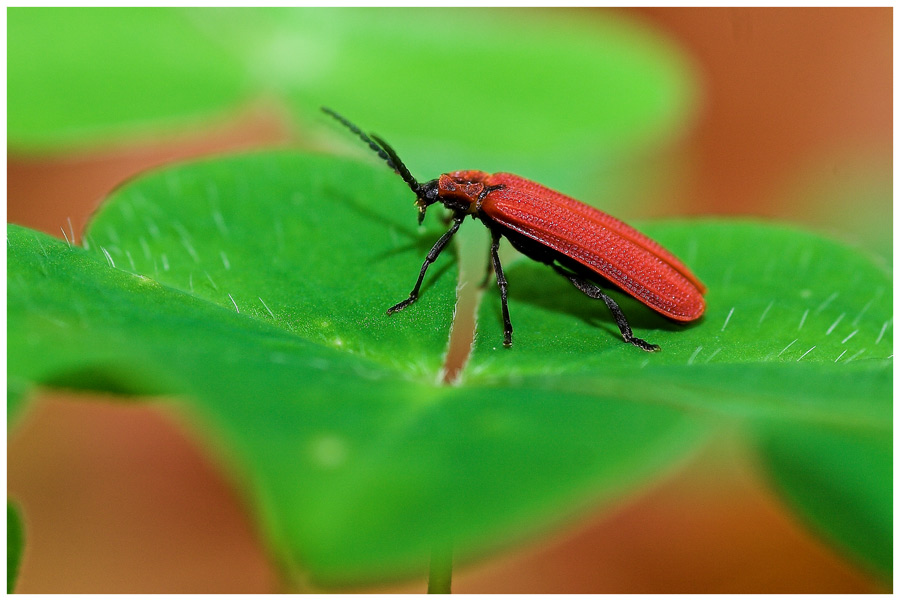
797, 103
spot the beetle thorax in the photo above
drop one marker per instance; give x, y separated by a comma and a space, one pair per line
460, 190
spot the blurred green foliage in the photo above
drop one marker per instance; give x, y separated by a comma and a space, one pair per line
567, 97
83, 77
848, 196
15, 544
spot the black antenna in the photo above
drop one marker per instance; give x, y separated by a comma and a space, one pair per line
383, 149
398, 164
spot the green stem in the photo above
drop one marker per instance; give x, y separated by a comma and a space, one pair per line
440, 571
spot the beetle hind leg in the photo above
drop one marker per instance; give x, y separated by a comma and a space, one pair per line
502, 284
593, 291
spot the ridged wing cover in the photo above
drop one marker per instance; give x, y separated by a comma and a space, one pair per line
599, 242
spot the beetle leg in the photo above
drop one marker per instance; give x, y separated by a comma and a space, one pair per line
594, 291
432, 255
501, 283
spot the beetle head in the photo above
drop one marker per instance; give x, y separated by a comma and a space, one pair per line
459, 191
427, 194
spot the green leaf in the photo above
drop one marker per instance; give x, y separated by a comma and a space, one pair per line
839, 475
259, 307
460, 85
449, 89
775, 292
355, 460
853, 203
796, 344
15, 543
86, 76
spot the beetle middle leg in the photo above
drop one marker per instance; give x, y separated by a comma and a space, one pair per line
432, 255
593, 291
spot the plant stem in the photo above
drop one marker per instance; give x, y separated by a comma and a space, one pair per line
440, 571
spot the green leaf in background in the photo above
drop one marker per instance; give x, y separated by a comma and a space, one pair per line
15, 544
451, 89
852, 203
586, 88
839, 475
82, 77
252, 291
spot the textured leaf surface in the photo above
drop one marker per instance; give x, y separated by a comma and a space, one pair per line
357, 462
252, 289
796, 344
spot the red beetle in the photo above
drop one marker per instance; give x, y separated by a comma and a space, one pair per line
584, 245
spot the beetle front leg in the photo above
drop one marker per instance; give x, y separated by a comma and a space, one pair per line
432, 255
501, 283
593, 291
